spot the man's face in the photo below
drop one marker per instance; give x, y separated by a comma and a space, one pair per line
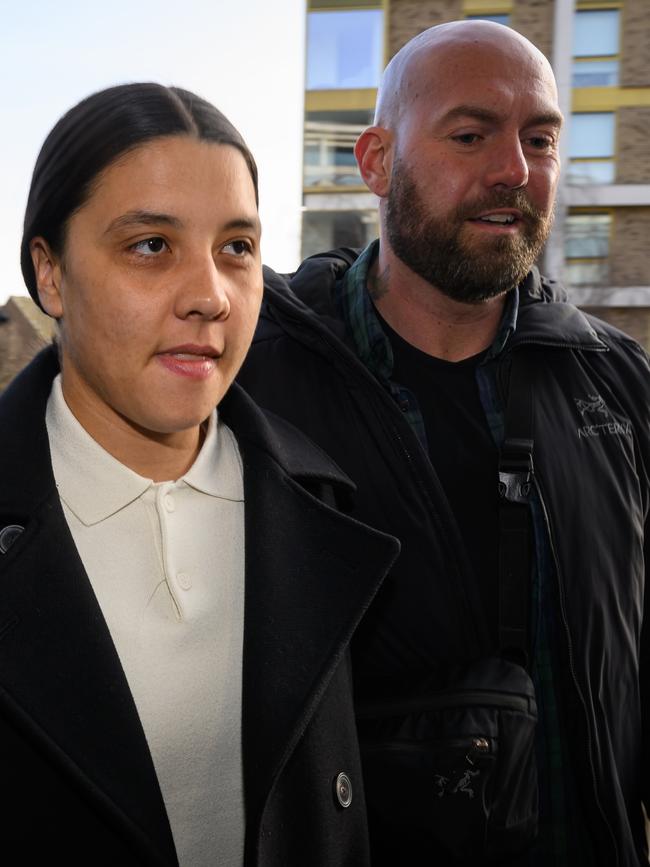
475, 171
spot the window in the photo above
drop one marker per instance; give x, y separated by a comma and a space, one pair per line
498, 19
595, 48
329, 142
344, 49
591, 148
325, 230
586, 247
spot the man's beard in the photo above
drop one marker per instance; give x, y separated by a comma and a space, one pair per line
465, 270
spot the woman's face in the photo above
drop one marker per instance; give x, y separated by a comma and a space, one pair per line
159, 286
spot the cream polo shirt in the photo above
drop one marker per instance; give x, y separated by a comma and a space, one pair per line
166, 563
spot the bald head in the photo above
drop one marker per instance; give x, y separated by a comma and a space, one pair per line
464, 158
414, 73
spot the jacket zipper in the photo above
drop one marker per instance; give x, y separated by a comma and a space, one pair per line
560, 585
574, 677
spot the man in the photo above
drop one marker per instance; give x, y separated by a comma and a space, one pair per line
400, 367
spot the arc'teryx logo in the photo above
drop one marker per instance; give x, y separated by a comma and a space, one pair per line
598, 419
594, 404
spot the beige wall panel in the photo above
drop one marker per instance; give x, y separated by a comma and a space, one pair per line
534, 20
634, 321
635, 44
410, 17
629, 249
633, 146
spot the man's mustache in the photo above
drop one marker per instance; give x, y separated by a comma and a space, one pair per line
516, 199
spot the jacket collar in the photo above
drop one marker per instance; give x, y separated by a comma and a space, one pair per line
544, 315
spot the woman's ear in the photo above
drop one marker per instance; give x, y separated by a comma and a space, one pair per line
374, 153
47, 268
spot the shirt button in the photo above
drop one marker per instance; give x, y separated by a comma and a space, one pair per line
184, 580
168, 500
343, 790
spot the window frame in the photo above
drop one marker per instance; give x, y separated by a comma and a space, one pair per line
591, 260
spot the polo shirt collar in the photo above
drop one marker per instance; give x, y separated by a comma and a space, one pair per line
95, 485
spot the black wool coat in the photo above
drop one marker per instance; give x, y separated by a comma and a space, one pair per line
78, 781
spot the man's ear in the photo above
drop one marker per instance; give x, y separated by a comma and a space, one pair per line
374, 153
47, 268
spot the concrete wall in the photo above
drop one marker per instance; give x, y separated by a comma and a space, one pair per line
629, 263
633, 144
410, 17
634, 321
635, 44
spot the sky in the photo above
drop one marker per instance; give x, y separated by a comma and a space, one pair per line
245, 56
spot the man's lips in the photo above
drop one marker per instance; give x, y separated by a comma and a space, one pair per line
190, 360
499, 220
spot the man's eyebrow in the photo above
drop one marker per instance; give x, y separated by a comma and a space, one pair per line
139, 218
478, 112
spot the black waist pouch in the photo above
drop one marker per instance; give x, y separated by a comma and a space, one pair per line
456, 764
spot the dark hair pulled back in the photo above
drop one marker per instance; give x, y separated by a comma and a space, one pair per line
94, 133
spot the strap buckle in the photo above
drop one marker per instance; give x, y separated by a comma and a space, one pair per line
516, 470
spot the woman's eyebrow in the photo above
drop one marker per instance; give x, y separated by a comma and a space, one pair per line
243, 223
150, 218
147, 218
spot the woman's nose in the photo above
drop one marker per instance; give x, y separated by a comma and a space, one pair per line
203, 292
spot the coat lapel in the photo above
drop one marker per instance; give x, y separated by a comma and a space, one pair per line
311, 573
61, 679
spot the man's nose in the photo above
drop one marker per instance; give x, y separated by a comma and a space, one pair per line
508, 166
202, 291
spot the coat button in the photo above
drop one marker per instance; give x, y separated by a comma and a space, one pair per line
8, 536
343, 790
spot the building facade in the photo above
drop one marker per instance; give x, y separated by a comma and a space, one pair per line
600, 51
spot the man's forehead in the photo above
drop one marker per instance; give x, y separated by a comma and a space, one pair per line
480, 81
464, 62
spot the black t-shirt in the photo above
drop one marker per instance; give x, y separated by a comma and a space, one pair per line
461, 450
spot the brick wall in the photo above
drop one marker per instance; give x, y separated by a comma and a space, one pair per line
410, 17
635, 44
534, 20
630, 264
23, 333
634, 321
633, 144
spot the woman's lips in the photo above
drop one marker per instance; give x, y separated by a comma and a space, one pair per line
194, 365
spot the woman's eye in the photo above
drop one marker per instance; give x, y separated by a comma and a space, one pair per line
150, 246
238, 248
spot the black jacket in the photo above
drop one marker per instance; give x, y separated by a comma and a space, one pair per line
592, 458
79, 787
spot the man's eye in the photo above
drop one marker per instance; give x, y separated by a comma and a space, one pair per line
238, 248
541, 142
467, 138
150, 246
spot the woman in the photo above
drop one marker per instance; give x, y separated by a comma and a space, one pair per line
178, 590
